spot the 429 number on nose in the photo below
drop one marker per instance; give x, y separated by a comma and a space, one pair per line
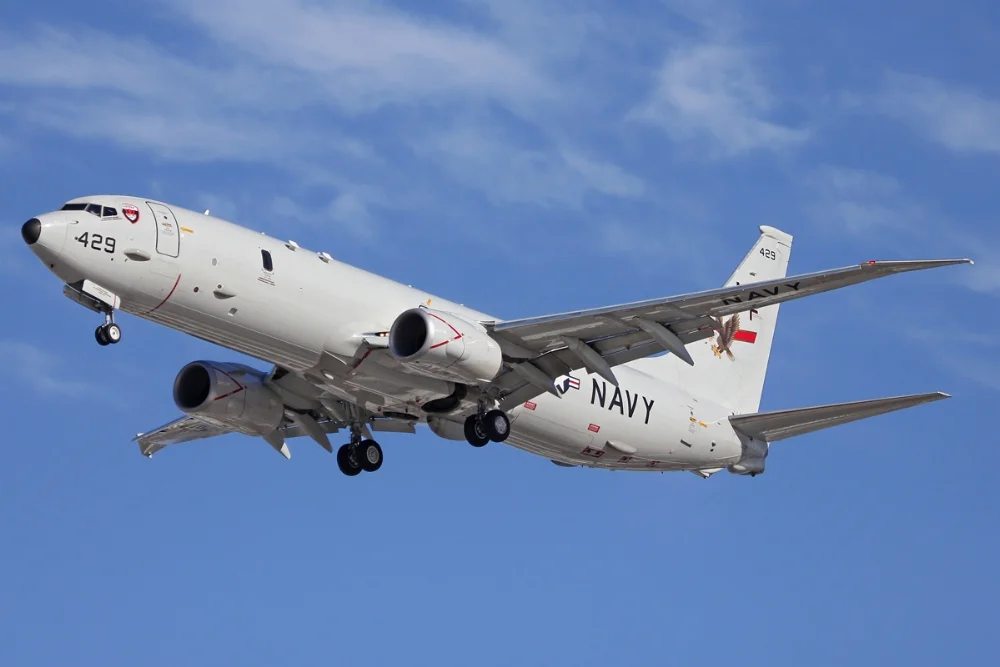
96, 242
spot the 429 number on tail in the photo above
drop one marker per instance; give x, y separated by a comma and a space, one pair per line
769, 254
96, 242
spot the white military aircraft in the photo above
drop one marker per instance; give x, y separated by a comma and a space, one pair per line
352, 350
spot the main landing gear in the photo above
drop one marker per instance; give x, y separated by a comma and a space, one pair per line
492, 425
108, 333
359, 455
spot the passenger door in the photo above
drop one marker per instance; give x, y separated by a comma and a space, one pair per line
168, 235
164, 273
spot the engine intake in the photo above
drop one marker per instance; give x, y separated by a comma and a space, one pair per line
445, 346
192, 387
229, 395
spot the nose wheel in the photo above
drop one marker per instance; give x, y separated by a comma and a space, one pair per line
108, 334
494, 426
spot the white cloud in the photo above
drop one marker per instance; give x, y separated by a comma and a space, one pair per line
350, 210
857, 182
39, 370
352, 214
875, 208
484, 159
287, 74
713, 93
361, 55
950, 349
960, 119
85, 85
861, 202
984, 277
604, 177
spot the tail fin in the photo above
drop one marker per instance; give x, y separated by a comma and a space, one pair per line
730, 367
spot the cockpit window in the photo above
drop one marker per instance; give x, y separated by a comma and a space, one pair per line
95, 209
266, 259
109, 212
74, 207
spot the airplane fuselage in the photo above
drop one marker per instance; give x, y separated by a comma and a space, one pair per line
304, 312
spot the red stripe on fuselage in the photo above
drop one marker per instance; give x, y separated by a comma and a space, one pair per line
746, 336
176, 283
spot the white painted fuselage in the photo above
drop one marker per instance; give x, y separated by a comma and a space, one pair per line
302, 310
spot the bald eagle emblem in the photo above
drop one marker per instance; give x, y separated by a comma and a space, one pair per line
727, 335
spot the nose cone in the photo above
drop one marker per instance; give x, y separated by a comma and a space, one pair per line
31, 230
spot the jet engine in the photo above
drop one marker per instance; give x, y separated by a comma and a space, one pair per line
445, 346
752, 461
230, 395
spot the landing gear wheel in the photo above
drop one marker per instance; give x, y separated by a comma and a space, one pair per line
370, 455
347, 460
475, 432
99, 334
112, 332
496, 425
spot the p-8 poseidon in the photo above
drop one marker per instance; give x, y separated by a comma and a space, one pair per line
666, 384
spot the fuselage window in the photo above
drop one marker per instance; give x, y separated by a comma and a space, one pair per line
266, 257
95, 209
109, 212
73, 207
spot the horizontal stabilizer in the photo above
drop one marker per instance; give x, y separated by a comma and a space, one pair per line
781, 424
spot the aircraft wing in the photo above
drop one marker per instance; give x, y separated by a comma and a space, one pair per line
623, 333
781, 424
180, 430
190, 428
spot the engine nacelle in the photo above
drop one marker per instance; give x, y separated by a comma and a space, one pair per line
230, 395
752, 461
443, 345
444, 428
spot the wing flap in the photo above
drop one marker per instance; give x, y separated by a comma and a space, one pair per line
781, 424
190, 428
180, 430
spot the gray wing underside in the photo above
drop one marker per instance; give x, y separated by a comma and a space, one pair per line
614, 332
781, 424
186, 429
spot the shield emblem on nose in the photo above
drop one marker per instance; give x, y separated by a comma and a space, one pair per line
131, 213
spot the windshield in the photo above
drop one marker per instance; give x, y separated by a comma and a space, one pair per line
95, 209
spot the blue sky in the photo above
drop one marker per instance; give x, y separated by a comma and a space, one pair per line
524, 157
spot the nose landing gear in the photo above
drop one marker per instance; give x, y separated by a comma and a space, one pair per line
108, 333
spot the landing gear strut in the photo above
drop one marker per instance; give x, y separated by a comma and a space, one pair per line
359, 455
108, 333
490, 426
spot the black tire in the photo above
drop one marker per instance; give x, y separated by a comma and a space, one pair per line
113, 333
496, 425
102, 340
370, 455
475, 434
348, 464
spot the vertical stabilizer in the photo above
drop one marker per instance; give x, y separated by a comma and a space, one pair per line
729, 368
